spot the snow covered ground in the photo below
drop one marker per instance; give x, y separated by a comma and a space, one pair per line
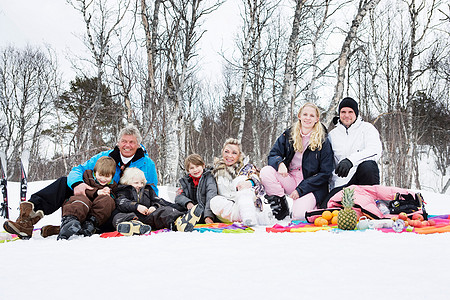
260, 265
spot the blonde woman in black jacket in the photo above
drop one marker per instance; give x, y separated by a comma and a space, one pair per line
300, 165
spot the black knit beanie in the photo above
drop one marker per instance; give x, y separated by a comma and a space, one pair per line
349, 102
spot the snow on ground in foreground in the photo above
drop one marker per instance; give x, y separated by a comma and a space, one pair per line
350, 265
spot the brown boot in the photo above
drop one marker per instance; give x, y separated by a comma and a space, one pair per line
23, 226
49, 230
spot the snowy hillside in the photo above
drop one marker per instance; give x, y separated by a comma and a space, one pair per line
260, 265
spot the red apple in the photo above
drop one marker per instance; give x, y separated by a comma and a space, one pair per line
418, 224
403, 216
417, 217
432, 222
425, 223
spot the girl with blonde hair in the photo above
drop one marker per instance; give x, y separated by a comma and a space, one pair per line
300, 165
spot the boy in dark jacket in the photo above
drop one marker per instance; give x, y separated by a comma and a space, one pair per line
197, 187
140, 210
83, 213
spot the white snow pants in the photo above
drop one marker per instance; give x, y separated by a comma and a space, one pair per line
241, 209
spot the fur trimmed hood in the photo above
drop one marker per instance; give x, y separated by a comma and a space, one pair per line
222, 170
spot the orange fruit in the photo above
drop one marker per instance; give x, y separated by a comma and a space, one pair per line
320, 222
327, 215
334, 220
335, 213
316, 221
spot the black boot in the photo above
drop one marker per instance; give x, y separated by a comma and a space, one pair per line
279, 206
89, 227
69, 226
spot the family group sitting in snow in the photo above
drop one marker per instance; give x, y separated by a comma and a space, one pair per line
119, 187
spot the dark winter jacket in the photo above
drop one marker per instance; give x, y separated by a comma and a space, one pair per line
317, 165
206, 190
128, 198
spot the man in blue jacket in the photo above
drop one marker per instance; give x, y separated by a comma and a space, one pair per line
128, 153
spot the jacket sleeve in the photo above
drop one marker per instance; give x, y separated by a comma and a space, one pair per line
88, 178
92, 194
76, 174
372, 146
183, 198
278, 152
124, 203
326, 166
151, 176
211, 191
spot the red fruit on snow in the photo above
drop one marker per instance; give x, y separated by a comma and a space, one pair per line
418, 224
403, 216
417, 217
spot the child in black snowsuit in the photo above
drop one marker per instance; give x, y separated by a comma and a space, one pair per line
140, 210
197, 187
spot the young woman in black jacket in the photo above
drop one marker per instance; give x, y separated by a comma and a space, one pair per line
300, 165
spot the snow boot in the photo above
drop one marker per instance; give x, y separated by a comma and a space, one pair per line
89, 227
69, 226
49, 230
24, 224
187, 221
279, 206
245, 199
265, 216
133, 227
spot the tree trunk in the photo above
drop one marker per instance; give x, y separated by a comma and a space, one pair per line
364, 7
288, 91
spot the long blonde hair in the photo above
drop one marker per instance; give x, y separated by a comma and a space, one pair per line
317, 134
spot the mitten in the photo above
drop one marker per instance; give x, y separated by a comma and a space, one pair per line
343, 167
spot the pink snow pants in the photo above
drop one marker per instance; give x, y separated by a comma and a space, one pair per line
275, 184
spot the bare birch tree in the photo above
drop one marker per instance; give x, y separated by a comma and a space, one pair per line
171, 43
102, 18
257, 13
287, 98
363, 7
28, 83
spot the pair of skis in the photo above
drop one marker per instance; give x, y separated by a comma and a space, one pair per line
24, 162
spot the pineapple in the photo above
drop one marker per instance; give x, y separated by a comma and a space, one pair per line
347, 217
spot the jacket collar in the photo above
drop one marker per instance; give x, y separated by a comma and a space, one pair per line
115, 154
354, 125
